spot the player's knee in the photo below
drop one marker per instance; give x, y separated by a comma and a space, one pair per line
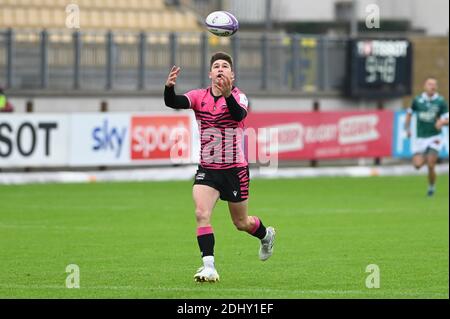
240, 224
202, 215
418, 163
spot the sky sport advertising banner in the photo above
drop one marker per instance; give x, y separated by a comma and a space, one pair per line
321, 135
130, 139
402, 144
28, 140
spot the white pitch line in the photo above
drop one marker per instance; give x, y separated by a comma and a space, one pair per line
199, 288
187, 173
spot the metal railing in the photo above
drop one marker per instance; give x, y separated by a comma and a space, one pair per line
59, 60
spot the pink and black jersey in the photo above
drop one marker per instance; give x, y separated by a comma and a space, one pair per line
220, 135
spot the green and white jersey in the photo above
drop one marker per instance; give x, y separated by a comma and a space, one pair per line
428, 111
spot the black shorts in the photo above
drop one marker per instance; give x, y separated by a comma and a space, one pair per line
232, 183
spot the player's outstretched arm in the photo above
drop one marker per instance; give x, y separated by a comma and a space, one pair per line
170, 98
172, 78
408, 124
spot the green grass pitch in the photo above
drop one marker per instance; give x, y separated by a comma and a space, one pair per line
137, 240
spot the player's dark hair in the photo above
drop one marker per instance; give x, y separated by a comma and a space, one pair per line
221, 56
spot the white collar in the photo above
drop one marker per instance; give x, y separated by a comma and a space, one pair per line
427, 98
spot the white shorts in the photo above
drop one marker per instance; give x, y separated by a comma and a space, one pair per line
422, 145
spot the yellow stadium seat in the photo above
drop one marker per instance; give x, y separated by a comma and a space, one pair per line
80, 3
149, 21
179, 22
118, 20
167, 21
106, 4
64, 3
158, 4
20, 17
131, 20
142, 18
108, 17
147, 5
134, 4
32, 18
20, 3
156, 20
136, 15
41, 3
119, 4
8, 19
87, 4
59, 20
95, 20
44, 15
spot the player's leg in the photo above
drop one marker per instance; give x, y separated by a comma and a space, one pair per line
240, 218
254, 226
419, 148
418, 160
235, 188
432, 158
205, 198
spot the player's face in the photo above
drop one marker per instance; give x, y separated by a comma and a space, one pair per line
220, 68
430, 86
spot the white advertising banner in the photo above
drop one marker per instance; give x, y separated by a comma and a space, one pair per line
130, 139
29, 140
100, 139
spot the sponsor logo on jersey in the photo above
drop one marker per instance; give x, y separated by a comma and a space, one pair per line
200, 176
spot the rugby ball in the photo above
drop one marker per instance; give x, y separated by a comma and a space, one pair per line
222, 23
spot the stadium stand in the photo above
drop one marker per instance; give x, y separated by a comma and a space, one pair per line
97, 15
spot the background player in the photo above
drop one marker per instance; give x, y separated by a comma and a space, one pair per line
432, 114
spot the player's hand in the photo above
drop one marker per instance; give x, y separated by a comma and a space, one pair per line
408, 133
172, 78
224, 84
439, 124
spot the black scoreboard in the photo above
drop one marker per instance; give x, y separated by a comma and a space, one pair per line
379, 68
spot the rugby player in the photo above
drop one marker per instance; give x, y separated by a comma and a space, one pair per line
220, 110
432, 114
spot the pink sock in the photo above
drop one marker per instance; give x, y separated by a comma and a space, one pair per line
256, 226
204, 230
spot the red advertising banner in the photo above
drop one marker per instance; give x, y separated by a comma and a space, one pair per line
161, 137
321, 135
